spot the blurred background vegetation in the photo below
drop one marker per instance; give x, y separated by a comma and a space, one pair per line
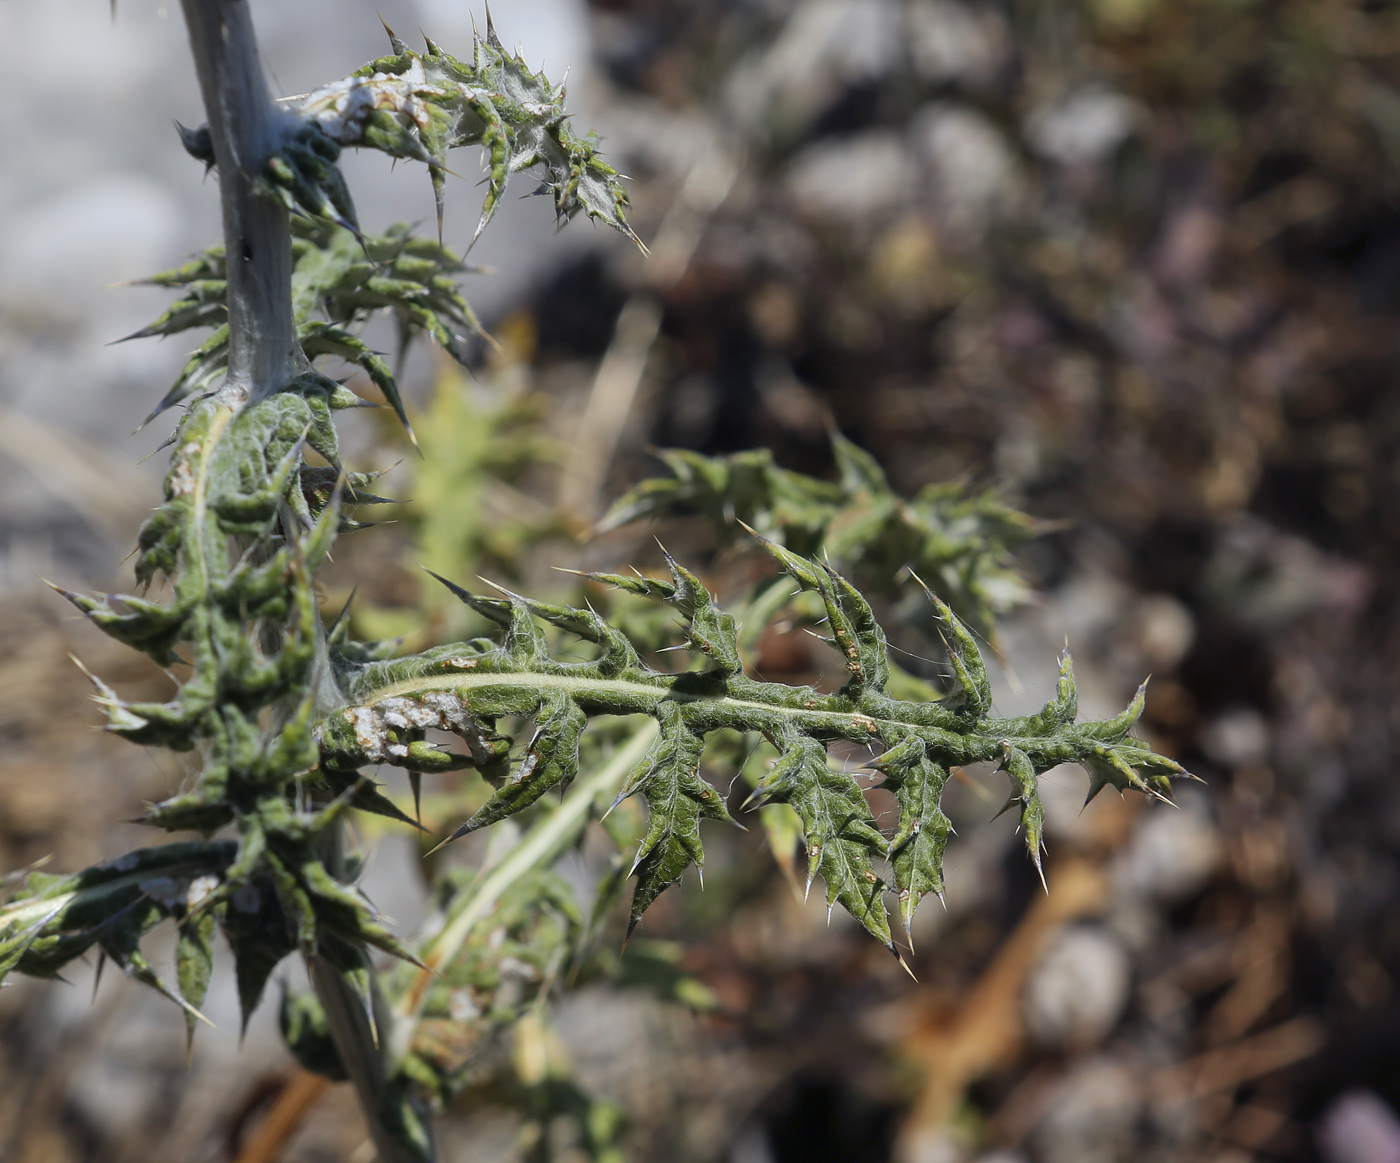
1133, 265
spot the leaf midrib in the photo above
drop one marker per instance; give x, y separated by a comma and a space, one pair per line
854, 724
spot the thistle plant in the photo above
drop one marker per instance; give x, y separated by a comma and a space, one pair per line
341, 276
960, 541
465, 688
287, 713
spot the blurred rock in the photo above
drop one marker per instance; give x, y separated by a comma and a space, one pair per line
1164, 630
1084, 128
1265, 578
1236, 738
1091, 1116
114, 225
641, 1053
489, 1135
1088, 606
825, 47
1062, 792
974, 174
1359, 1128
949, 42
1077, 990
1171, 855
1190, 241
854, 180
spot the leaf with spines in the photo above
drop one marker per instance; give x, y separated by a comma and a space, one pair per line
859, 471
302, 172
960, 541
856, 634
922, 740
235, 476
551, 759
344, 277
147, 626
677, 799
421, 105
194, 963
259, 936
916, 849
121, 941
54, 919
708, 628
838, 828
1025, 793
205, 304
1063, 709
974, 684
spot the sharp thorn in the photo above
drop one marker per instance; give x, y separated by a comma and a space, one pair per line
620, 797
464, 830
394, 42
1012, 802
898, 956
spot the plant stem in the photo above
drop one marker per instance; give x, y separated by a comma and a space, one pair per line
243, 123
244, 128
771, 704
350, 1027
363, 1047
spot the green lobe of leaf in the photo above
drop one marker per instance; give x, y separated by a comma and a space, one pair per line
677, 798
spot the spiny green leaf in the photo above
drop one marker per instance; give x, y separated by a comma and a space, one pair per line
916, 849
421, 106
194, 962
974, 684
837, 825
709, 629
856, 634
677, 798
302, 172
550, 759
344, 276
959, 541
1025, 791
259, 936
922, 739
859, 470
1115, 729
1061, 710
